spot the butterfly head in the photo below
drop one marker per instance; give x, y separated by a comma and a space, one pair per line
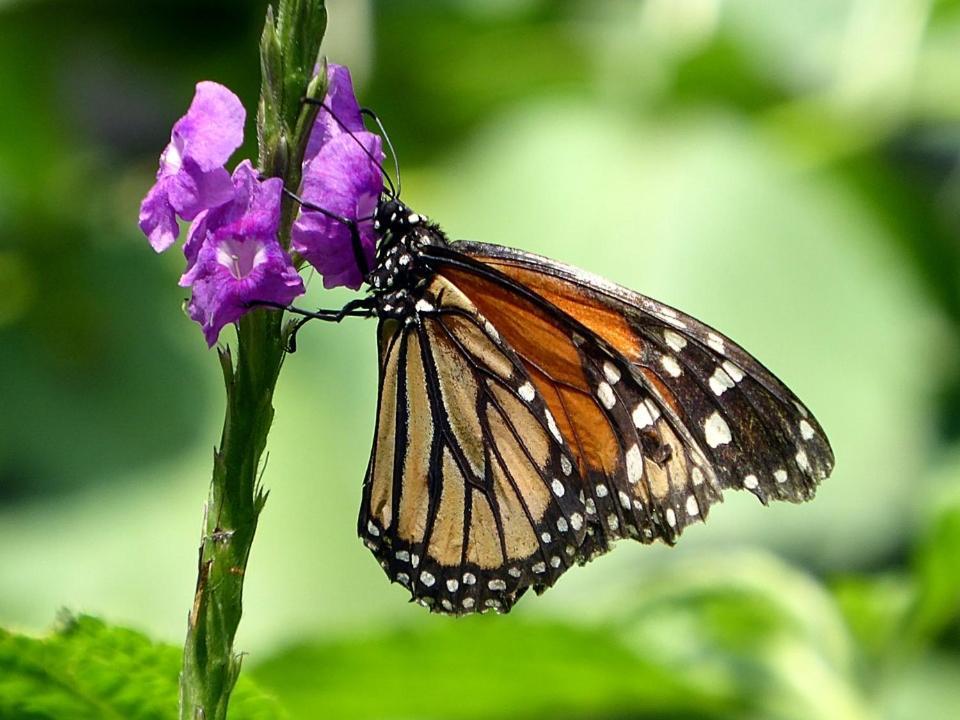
395, 219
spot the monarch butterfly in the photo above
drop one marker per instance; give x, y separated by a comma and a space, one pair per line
530, 414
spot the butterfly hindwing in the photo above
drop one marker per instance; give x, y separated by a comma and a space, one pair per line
471, 495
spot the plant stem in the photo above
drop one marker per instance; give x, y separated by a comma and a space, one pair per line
210, 666
289, 51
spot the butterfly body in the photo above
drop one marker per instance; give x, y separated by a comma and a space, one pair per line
531, 414
401, 272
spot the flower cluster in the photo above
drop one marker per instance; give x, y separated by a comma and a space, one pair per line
235, 259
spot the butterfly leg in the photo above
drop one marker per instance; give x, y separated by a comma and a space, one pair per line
361, 307
358, 254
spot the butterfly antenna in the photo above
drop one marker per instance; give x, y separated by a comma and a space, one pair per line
393, 153
374, 160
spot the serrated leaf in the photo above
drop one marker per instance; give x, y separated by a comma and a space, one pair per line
86, 669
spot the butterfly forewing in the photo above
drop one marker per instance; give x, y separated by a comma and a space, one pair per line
661, 411
471, 496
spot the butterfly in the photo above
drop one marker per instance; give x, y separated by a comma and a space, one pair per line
531, 414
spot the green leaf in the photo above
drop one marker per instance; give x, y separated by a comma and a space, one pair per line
938, 581
89, 670
757, 629
483, 667
876, 608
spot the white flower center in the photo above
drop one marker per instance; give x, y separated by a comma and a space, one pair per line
240, 256
172, 159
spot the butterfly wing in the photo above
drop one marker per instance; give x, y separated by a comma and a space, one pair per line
470, 494
662, 412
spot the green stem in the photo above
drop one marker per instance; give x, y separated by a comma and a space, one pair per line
289, 50
210, 665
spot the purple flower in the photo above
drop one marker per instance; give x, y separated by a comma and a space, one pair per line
342, 176
341, 100
237, 259
191, 177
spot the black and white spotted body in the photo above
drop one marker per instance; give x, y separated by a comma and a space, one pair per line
401, 273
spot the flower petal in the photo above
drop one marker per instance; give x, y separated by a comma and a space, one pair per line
343, 180
212, 128
260, 271
158, 221
191, 190
191, 177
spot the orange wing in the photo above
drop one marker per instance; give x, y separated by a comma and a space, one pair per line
661, 412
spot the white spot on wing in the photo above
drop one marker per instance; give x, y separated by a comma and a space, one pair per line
452, 584
806, 430
427, 579
735, 373
624, 500
671, 365
716, 343
562, 524
497, 585
576, 521
424, 306
802, 461
750, 482
716, 430
605, 393
693, 507
675, 341
720, 382
552, 424
557, 488
601, 490
634, 464
565, 465
671, 517
641, 416
697, 475
780, 475
372, 529
469, 578
527, 392
611, 372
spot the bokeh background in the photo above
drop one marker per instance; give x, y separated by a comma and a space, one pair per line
785, 171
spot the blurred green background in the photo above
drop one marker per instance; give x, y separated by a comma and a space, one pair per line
785, 171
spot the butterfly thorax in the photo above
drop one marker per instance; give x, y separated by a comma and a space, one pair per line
401, 273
